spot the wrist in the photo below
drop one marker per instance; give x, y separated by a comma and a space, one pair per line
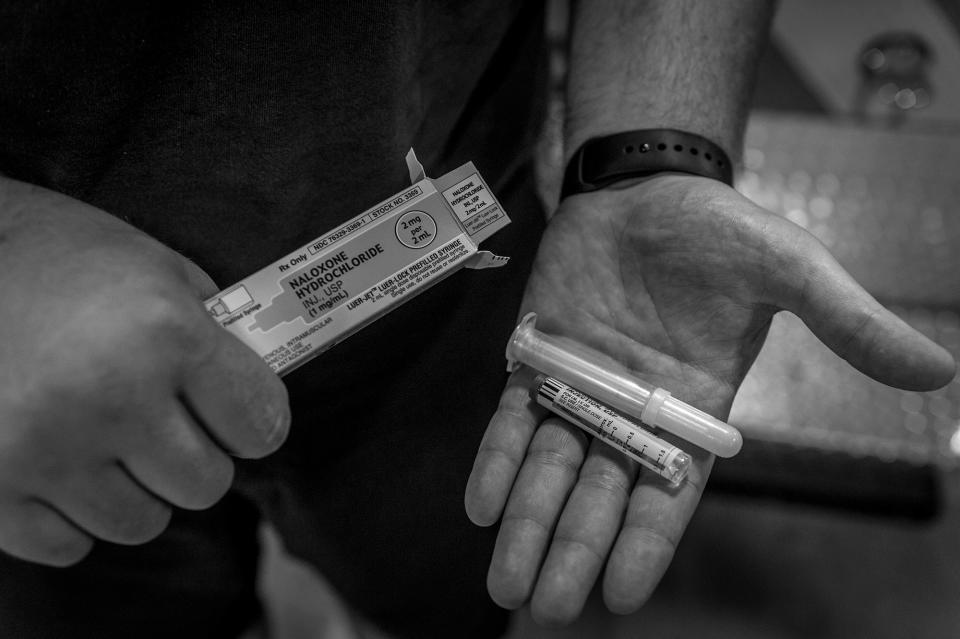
679, 64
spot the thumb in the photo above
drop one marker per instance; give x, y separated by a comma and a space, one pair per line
811, 284
201, 283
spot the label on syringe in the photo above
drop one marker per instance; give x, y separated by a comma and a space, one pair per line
666, 460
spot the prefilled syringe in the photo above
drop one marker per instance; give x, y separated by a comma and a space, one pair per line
658, 455
597, 375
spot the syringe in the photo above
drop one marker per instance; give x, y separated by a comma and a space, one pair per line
660, 456
594, 374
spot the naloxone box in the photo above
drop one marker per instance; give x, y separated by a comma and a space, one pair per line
322, 293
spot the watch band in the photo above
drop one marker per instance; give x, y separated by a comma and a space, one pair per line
600, 162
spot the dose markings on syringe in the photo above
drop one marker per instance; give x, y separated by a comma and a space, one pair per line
604, 427
610, 427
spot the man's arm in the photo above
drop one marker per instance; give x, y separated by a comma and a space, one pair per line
677, 277
680, 64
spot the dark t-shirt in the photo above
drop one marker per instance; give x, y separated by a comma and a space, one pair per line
236, 132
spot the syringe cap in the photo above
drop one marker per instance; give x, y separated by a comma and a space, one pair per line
522, 332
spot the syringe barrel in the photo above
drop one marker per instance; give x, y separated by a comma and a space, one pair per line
612, 428
594, 374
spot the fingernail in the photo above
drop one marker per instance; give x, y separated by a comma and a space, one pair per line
279, 426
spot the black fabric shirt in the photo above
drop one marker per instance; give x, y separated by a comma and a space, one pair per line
235, 132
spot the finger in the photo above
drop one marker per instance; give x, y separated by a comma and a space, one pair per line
112, 506
34, 531
852, 323
584, 535
241, 403
502, 450
543, 483
181, 464
656, 517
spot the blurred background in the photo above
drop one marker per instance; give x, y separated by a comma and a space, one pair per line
841, 518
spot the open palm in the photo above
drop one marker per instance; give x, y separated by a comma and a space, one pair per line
677, 278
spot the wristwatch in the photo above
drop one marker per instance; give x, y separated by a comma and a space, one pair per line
602, 161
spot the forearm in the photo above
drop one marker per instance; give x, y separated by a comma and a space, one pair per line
681, 64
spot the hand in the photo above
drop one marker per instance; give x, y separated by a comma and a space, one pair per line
119, 396
677, 277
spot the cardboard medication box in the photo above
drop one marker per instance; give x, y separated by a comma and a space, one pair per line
304, 303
